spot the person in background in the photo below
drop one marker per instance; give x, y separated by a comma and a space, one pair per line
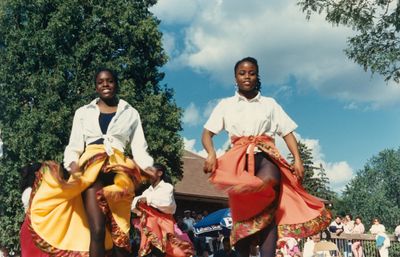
397, 232
381, 239
336, 226
356, 246
348, 228
377, 227
382, 243
308, 249
189, 221
155, 206
28, 247
227, 250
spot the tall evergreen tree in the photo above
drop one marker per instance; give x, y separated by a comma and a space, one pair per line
49, 50
315, 184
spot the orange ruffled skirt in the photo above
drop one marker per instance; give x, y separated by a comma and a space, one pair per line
157, 230
59, 223
254, 204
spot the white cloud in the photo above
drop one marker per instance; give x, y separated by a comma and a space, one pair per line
339, 174
210, 107
189, 145
276, 32
175, 11
191, 116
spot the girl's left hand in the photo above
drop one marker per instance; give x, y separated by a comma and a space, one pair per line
298, 169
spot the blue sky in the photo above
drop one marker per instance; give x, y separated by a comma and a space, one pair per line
345, 115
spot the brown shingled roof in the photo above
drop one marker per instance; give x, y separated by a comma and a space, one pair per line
194, 182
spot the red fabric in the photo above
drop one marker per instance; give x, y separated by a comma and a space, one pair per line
157, 230
28, 248
298, 213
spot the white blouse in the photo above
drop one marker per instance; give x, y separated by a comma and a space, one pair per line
125, 129
160, 197
240, 116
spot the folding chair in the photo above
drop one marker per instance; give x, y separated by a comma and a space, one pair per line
324, 249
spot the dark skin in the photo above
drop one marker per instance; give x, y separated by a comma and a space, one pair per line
108, 102
246, 79
106, 89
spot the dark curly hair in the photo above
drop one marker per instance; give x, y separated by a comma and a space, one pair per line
28, 175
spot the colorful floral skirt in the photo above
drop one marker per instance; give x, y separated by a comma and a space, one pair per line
157, 230
255, 204
59, 224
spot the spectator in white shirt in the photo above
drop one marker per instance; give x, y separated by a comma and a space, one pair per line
377, 227
336, 226
252, 122
356, 246
188, 220
101, 132
348, 224
155, 206
397, 232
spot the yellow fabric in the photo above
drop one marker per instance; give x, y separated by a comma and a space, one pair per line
57, 213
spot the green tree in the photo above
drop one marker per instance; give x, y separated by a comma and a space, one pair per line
373, 192
49, 50
377, 23
315, 184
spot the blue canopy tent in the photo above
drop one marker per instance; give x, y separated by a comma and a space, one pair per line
210, 225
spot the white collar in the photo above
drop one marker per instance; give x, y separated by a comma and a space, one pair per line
242, 98
161, 183
121, 104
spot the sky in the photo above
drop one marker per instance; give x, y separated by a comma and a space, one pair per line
344, 114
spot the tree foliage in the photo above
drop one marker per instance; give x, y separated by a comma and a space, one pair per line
49, 50
376, 46
315, 183
373, 192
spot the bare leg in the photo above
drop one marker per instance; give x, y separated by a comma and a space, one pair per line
96, 219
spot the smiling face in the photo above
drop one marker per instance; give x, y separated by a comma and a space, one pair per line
246, 77
106, 85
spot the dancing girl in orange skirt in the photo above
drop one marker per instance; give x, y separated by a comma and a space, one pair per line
266, 198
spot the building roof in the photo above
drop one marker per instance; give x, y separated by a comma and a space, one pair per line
194, 183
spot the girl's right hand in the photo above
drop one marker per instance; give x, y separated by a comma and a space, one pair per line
73, 168
210, 164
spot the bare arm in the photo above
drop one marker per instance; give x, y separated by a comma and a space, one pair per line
211, 162
291, 143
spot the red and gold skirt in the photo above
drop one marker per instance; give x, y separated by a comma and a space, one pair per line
255, 204
59, 223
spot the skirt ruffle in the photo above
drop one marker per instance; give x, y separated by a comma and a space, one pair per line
59, 223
